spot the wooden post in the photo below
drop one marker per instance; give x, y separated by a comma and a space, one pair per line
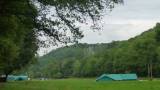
148, 67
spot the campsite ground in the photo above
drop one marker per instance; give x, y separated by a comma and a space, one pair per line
81, 84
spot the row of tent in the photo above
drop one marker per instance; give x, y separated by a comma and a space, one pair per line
104, 77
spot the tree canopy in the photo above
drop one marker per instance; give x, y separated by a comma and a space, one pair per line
61, 23
24, 22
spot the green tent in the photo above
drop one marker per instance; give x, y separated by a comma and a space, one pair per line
117, 77
16, 78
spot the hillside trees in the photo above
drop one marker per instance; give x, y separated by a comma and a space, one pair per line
146, 48
139, 55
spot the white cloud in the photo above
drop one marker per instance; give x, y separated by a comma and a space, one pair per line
116, 31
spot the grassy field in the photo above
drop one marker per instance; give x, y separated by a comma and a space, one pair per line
80, 84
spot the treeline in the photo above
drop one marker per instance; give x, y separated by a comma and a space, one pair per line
139, 55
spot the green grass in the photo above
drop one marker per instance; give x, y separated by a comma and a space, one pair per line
81, 84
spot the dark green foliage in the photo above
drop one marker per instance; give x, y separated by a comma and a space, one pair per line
17, 38
157, 29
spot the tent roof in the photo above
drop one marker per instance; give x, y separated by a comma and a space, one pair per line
20, 77
118, 76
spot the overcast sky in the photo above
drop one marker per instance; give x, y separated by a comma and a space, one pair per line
124, 22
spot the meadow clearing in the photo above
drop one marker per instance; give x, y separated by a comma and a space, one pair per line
80, 84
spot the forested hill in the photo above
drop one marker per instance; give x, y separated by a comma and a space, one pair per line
136, 55
77, 51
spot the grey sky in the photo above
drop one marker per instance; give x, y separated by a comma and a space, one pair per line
124, 22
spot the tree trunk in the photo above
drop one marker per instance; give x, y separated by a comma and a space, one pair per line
151, 73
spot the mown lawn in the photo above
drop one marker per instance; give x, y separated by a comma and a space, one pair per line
81, 84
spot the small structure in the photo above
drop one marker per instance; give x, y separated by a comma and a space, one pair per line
117, 77
16, 78
2, 78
